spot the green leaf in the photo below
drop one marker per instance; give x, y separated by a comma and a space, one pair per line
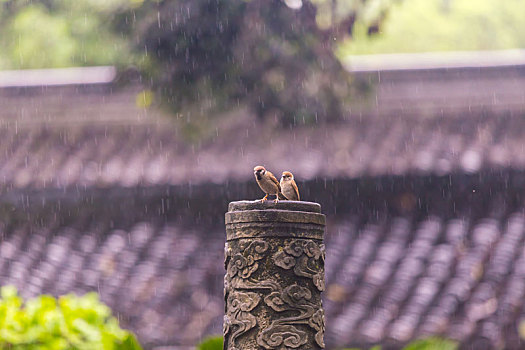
211, 343
72, 322
131, 343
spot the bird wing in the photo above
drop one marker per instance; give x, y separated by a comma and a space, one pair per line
296, 190
274, 180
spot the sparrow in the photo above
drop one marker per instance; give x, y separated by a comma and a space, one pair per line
268, 183
289, 187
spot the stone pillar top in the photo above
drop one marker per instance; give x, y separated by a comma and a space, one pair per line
310, 207
285, 219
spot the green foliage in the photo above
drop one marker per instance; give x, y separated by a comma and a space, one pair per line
61, 33
211, 343
433, 344
215, 343
439, 25
71, 322
40, 32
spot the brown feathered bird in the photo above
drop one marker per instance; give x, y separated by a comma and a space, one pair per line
268, 183
289, 187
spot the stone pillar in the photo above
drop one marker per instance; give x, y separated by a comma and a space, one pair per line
274, 259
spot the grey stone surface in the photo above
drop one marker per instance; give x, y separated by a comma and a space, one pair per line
274, 259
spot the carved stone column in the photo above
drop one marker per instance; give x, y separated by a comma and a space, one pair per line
274, 258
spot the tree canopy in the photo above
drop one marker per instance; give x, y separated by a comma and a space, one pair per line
268, 54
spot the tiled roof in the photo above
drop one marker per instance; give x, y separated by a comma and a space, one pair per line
162, 279
438, 82
406, 279
150, 154
451, 268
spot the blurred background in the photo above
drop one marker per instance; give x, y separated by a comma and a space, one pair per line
128, 125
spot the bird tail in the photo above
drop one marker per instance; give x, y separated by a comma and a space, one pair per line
281, 196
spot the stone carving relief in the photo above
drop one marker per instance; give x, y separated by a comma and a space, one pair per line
239, 317
282, 336
293, 305
304, 257
244, 263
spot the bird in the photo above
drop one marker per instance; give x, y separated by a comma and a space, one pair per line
289, 187
268, 183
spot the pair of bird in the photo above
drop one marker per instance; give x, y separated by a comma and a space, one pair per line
286, 189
